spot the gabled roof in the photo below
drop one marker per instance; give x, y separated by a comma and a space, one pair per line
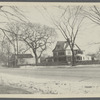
62, 45
23, 55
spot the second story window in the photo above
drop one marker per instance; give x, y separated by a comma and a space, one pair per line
61, 53
58, 46
55, 53
69, 52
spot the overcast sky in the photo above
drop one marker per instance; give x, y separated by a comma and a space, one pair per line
89, 32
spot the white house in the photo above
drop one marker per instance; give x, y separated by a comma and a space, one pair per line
63, 53
83, 57
22, 59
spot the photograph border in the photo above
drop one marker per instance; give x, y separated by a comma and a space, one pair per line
30, 97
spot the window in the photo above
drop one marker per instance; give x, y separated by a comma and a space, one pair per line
62, 59
69, 58
75, 51
58, 46
55, 59
79, 58
49, 60
55, 53
61, 53
69, 52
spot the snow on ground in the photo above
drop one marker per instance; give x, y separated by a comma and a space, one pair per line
44, 86
38, 67
63, 66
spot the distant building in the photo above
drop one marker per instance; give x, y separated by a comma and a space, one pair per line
22, 59
82, 57
62, 53
49, 59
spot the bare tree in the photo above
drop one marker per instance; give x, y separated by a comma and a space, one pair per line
11, 14
14, 32
5, 51
93, 13
69, 24
38, 38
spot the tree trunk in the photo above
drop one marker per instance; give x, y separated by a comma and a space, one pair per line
15, 62
8, 59
36, 60
36, 57
73, 57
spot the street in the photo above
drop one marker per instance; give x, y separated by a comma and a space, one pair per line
86, 73
55, 79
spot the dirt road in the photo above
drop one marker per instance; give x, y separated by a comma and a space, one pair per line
53, 80
86, 73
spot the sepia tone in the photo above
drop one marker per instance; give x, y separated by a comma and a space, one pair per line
50, 49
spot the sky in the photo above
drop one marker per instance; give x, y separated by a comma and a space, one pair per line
89, 32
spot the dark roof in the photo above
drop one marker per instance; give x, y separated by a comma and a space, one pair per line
23, 55
61, 45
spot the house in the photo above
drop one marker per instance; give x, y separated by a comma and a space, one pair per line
82, 57
62, 53
22, 59
49, 59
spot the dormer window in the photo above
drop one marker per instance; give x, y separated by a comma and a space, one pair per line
58, 46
